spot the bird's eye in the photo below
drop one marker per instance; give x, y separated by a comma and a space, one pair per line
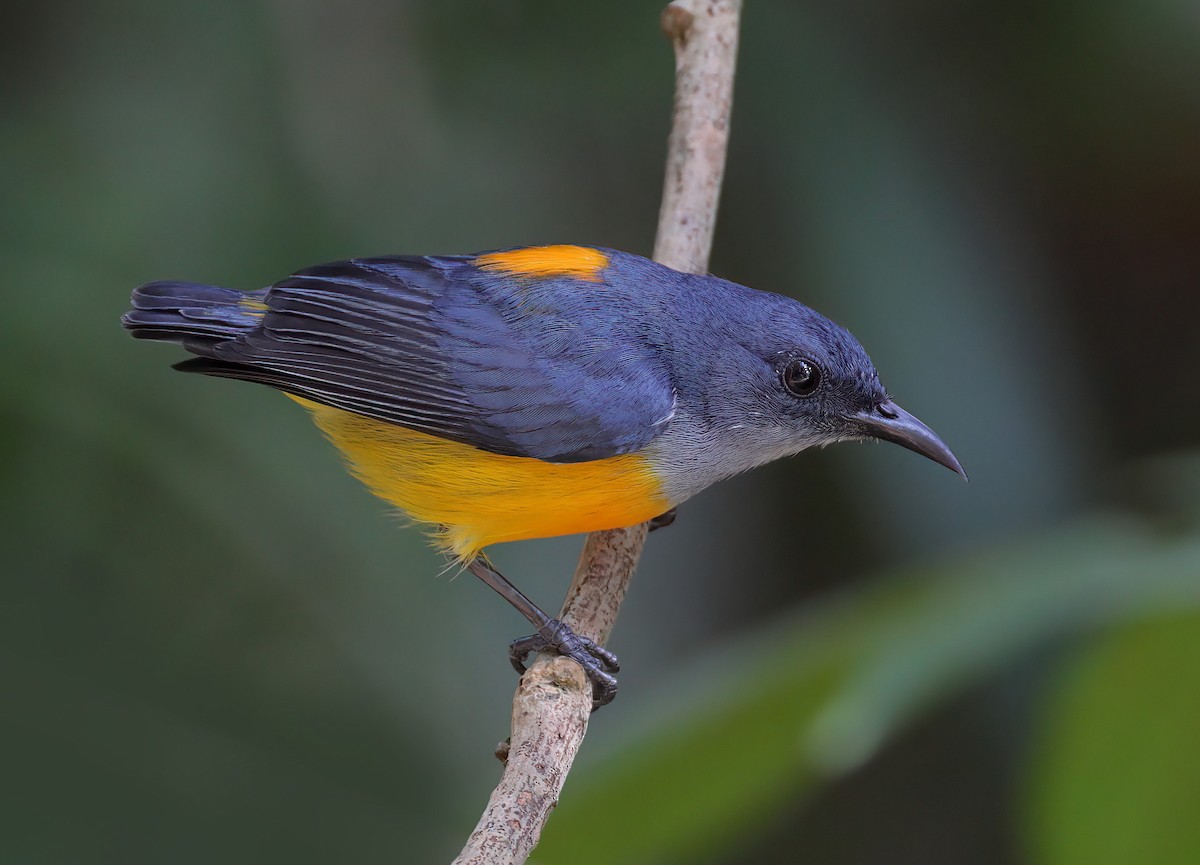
801, 376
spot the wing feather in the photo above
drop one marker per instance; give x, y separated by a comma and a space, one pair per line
440, 346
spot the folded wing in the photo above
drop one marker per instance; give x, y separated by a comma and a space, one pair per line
557, 369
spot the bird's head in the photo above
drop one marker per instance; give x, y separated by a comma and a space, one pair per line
811, 384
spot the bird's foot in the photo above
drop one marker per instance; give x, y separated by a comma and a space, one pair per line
598, 663
663, 520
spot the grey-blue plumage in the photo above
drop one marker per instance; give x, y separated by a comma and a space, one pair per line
557, 368
559, 354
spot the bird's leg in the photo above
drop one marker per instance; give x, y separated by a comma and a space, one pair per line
552, 635
663, 520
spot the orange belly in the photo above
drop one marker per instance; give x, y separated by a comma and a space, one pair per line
472, 498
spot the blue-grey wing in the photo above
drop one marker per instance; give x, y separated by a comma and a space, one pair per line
562, 370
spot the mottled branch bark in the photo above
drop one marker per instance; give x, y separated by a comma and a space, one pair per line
553, 702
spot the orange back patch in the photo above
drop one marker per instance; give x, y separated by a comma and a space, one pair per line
580, 262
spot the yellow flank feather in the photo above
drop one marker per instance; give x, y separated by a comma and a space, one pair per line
474, 498
580, 262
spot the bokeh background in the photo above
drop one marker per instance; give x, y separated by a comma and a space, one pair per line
215, 646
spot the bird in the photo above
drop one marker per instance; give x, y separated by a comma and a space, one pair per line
538, 391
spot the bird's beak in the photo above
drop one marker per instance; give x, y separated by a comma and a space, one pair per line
890, 423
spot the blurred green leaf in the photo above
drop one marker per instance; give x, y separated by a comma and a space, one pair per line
822, 692
1117, 776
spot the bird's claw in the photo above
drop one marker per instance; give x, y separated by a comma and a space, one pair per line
663, 520
598, 663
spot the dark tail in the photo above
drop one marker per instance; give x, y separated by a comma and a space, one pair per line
193, 314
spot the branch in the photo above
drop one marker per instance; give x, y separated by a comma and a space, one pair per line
553, 701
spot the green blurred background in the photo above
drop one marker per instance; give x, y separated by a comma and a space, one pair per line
215, 646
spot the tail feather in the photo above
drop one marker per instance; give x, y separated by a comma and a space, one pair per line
178, 311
